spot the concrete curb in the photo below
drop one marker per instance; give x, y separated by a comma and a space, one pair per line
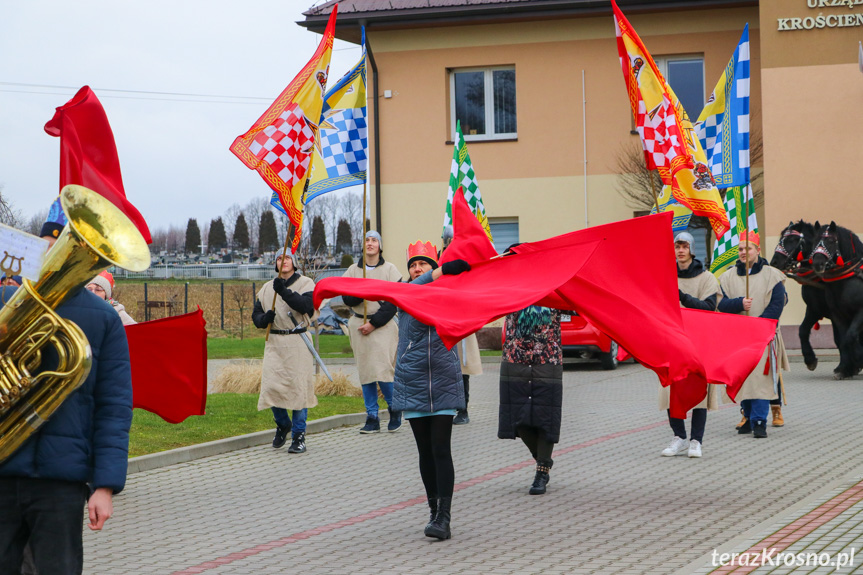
218, 447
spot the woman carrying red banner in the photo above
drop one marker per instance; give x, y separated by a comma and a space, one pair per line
428, 388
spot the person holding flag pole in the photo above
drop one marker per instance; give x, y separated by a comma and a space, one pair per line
280, 146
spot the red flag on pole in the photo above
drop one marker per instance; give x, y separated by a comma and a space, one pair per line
88, 155
169, 366
280, 143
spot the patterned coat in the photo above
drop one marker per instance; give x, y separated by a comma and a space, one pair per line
531, 373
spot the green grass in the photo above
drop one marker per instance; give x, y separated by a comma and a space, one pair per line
228, 415
228, 348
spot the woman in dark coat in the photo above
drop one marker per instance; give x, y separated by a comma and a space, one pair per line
428, 388
531, 390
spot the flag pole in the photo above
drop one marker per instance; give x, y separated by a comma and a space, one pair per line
284, 252
746, 211
363, 251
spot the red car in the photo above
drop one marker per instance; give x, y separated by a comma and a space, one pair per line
580, 339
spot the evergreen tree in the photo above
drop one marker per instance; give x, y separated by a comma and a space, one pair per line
319, 236
268, 236
193, 237
241, 233
217, 238
347, 261
344, 243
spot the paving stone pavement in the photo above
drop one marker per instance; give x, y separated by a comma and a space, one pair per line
354, 503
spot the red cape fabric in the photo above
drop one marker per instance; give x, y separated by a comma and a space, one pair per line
88, 155
729, 345
632, 298
169, 366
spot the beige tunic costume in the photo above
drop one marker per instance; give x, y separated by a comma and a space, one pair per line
757, 385
468, 355
375, 353
701, 287
288, 378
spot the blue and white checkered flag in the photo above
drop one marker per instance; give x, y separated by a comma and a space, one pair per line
723, 126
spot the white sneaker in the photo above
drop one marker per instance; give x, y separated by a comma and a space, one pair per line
694, 448
678, 446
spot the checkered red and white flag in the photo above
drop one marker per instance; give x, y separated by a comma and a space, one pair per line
281, 143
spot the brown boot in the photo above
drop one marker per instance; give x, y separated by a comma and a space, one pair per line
743, 420
777, 416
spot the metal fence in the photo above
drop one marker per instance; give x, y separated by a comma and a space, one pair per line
255, 272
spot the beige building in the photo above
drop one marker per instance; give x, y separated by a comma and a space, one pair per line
538, 89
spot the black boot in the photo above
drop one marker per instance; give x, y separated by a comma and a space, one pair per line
440, 526
540, 480
281, 436
298, 445
461, 417
432, 512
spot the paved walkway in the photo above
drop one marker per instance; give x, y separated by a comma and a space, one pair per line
353, 504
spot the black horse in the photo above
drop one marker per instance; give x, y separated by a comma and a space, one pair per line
836, 259
792, 258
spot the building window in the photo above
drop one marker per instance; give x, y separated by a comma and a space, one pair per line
685, 75
484, 101
504, 231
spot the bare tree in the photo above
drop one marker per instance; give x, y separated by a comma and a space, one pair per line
8, 214
34, 223
230, 218
352, 205
240, 295
634, 178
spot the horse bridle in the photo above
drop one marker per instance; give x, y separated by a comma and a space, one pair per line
780, 248
820, 248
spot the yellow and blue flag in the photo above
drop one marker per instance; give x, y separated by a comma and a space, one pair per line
723, 126
342, 158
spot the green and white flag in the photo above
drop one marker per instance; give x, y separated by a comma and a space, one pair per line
462, 174
725, 250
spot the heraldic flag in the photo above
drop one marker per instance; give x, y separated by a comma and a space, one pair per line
343, 135
723, 127
725, 250
462, 175
281, 143
681, 214
667, 135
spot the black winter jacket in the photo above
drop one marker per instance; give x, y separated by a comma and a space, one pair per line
530, 395
428, 375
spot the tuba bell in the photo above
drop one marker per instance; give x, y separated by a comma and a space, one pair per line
98, 235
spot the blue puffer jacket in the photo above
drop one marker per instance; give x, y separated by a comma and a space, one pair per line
428, 375
87, 438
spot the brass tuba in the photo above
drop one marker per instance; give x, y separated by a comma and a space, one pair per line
98, 235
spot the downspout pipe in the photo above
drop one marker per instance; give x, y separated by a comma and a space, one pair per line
377, 137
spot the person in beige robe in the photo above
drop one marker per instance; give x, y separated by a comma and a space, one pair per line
288, 376
766, 298
698, 289
374, 336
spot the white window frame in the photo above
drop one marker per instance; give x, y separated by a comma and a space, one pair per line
488, 77
505, 220
662, 64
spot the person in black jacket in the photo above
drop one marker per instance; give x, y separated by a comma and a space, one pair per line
428, 388
80, 454
531, 386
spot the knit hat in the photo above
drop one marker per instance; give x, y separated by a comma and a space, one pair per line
685, 238
56, 221
754, 238
423, 251
293, 257
105, 281
377, 236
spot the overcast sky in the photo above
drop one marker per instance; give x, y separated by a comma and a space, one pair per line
173, 148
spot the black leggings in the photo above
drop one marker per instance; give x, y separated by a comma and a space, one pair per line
535, 440
433, 435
